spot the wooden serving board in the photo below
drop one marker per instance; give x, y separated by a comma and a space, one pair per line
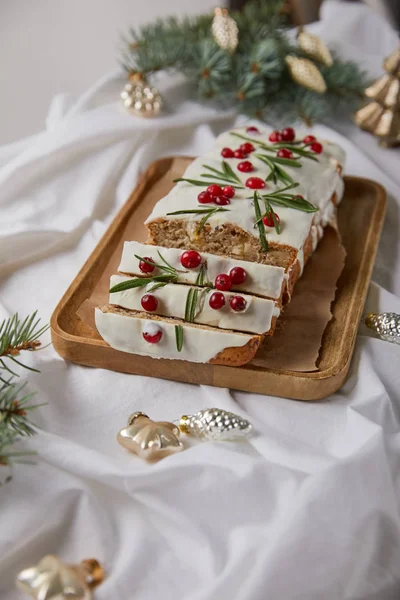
360, 216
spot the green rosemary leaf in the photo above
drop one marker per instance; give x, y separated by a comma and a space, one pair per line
276, 223
179, 337
224, 179
199, 211
188, 306
169, 269
141, 282
280, 161
259, 223
205, 219
283, 175
229, 171
294, 202
194, 181
285, 189
165, 261
194, 305
156, 286
270, 212
200, 275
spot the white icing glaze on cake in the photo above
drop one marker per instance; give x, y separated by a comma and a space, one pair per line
263, 280
256, 317
318, 181
125, 333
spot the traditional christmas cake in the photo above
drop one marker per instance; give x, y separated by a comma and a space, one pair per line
225, 249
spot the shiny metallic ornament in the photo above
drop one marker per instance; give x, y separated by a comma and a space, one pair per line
386, 325
225, 30
312, 45
139, 98
149, 439
215, 424
381, 116
305, 73
52, 579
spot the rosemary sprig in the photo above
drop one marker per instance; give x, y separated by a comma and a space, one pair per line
276, 172
207, 212
204, 183
281, 198
191, 303
259, 224
179, 337
227, 173
143, 281
269, 212
166, 267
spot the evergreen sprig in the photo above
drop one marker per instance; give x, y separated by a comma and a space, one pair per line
16, 336
255, 78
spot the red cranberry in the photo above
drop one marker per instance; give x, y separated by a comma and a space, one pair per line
227, 153
284, 153
238, 303
190, 259
237, 275
222, 201
255, 183
239, 153
316, 147
217, 300
149, 303
145, 267
214, 190
205, 198
247, 147
252, 129
288, 134
245, 166
152, 333
268, 220
228, 191
309, 139
275, 136
223, 282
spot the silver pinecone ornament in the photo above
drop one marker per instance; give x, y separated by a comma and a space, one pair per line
139, 98
386, 325
215, 424
225, 30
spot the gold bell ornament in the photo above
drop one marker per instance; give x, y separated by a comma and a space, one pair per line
314, 47
385, 325
381, 115
306, 74
149, 439
52, 579
225, 30
139, 98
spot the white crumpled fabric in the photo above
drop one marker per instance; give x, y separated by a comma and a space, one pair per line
308, 509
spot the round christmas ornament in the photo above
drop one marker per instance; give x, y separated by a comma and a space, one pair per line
312, 45
386, 325
305, 73
215, 424
139, 98
225, 30
151, 440
52, 579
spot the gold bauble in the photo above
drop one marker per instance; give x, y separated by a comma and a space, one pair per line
225, 30
305, 73
385, 90
312, 45
139, 98
52, 579
149, 439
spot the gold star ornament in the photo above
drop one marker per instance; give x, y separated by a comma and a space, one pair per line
52, 579
149, 439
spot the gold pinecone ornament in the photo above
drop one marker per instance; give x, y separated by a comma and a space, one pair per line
225, 30
139, 98
385, 325
306, 74
314, 47
381, 116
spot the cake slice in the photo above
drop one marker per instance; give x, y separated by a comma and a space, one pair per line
163, 337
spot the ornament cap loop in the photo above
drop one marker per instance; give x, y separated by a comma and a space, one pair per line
135, 416
94, 572
184, 423
136, 77
369, 319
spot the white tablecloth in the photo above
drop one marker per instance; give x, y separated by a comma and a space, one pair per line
309, 507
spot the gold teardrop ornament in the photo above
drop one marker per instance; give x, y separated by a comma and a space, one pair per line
151, 440
52, 579
306, 74
312, 45
225, 30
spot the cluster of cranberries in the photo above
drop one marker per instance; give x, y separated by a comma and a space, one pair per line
223, 283
289, 135
217, 195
